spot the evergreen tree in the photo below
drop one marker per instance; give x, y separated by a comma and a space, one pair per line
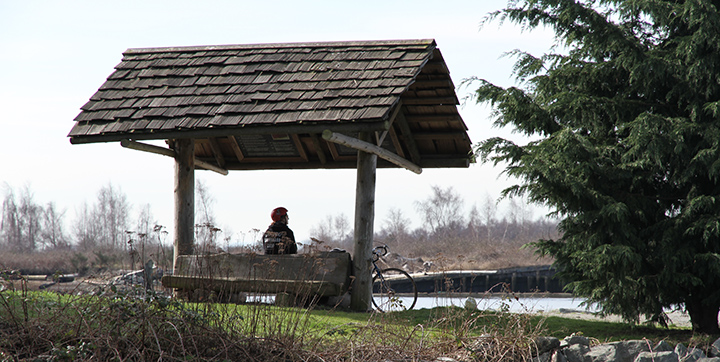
626, 150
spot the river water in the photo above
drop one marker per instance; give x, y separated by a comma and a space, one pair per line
509, 303
567, 306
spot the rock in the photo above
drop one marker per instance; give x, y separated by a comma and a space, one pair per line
546, 344
715, 349
570, 340
558, 357
602, 353
664, 356
625, 351
688, 354
663, 346
680, 350
577, 353
711, 359
695, 353
470, 303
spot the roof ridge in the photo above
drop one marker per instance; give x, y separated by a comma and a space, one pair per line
428, 42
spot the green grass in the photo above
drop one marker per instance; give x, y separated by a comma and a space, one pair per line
127, 325
323, 320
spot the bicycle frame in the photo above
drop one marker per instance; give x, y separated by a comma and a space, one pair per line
379, 276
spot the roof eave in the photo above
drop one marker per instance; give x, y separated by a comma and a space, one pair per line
317, 128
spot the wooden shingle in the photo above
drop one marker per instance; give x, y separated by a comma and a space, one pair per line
297, 89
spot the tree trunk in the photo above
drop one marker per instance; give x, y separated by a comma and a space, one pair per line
703, 317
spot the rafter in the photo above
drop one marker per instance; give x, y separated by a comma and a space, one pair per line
236, 148
217, 152
370, 148
408, 137
168, 152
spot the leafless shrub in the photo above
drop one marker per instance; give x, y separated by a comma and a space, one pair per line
503, 336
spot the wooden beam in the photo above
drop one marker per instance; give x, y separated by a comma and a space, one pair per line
348, 127
211, 167
168, 152
381, 137
236, 148
431, 101
440, 135
451, 161
434, 118
299, 146
334, 152
147, 148
361, 297
318, 148
217, 151
396, 143
408, 138
370, 148
184, 198
427, 82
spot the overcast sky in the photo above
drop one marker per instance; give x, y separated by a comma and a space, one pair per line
54, 55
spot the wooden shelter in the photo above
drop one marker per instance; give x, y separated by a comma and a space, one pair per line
284, 106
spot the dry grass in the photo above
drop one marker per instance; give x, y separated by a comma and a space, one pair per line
39, 263
63, 261
143, 326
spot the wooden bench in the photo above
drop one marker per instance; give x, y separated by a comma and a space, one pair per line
321, 274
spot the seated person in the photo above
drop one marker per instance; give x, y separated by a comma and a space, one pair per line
279, 239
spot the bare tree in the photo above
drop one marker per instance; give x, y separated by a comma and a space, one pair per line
146, 224
10, 232
30, 215
335, 231
111, 215
205, 225
489, 215
475, 225
442, 210
53, 233
396, 226
146, 221
21, 220
85, 229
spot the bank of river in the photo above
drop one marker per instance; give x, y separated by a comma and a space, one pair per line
563, 305
516, 304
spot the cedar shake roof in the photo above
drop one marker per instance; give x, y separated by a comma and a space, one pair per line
264, 106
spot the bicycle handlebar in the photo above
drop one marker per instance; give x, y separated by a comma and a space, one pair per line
380, 250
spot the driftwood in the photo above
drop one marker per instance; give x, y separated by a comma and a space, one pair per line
395, 260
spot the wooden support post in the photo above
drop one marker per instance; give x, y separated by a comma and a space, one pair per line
184, 198
361, 298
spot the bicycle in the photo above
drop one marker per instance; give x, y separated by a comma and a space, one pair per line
388, 283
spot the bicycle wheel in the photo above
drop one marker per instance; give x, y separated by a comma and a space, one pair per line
394, 290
